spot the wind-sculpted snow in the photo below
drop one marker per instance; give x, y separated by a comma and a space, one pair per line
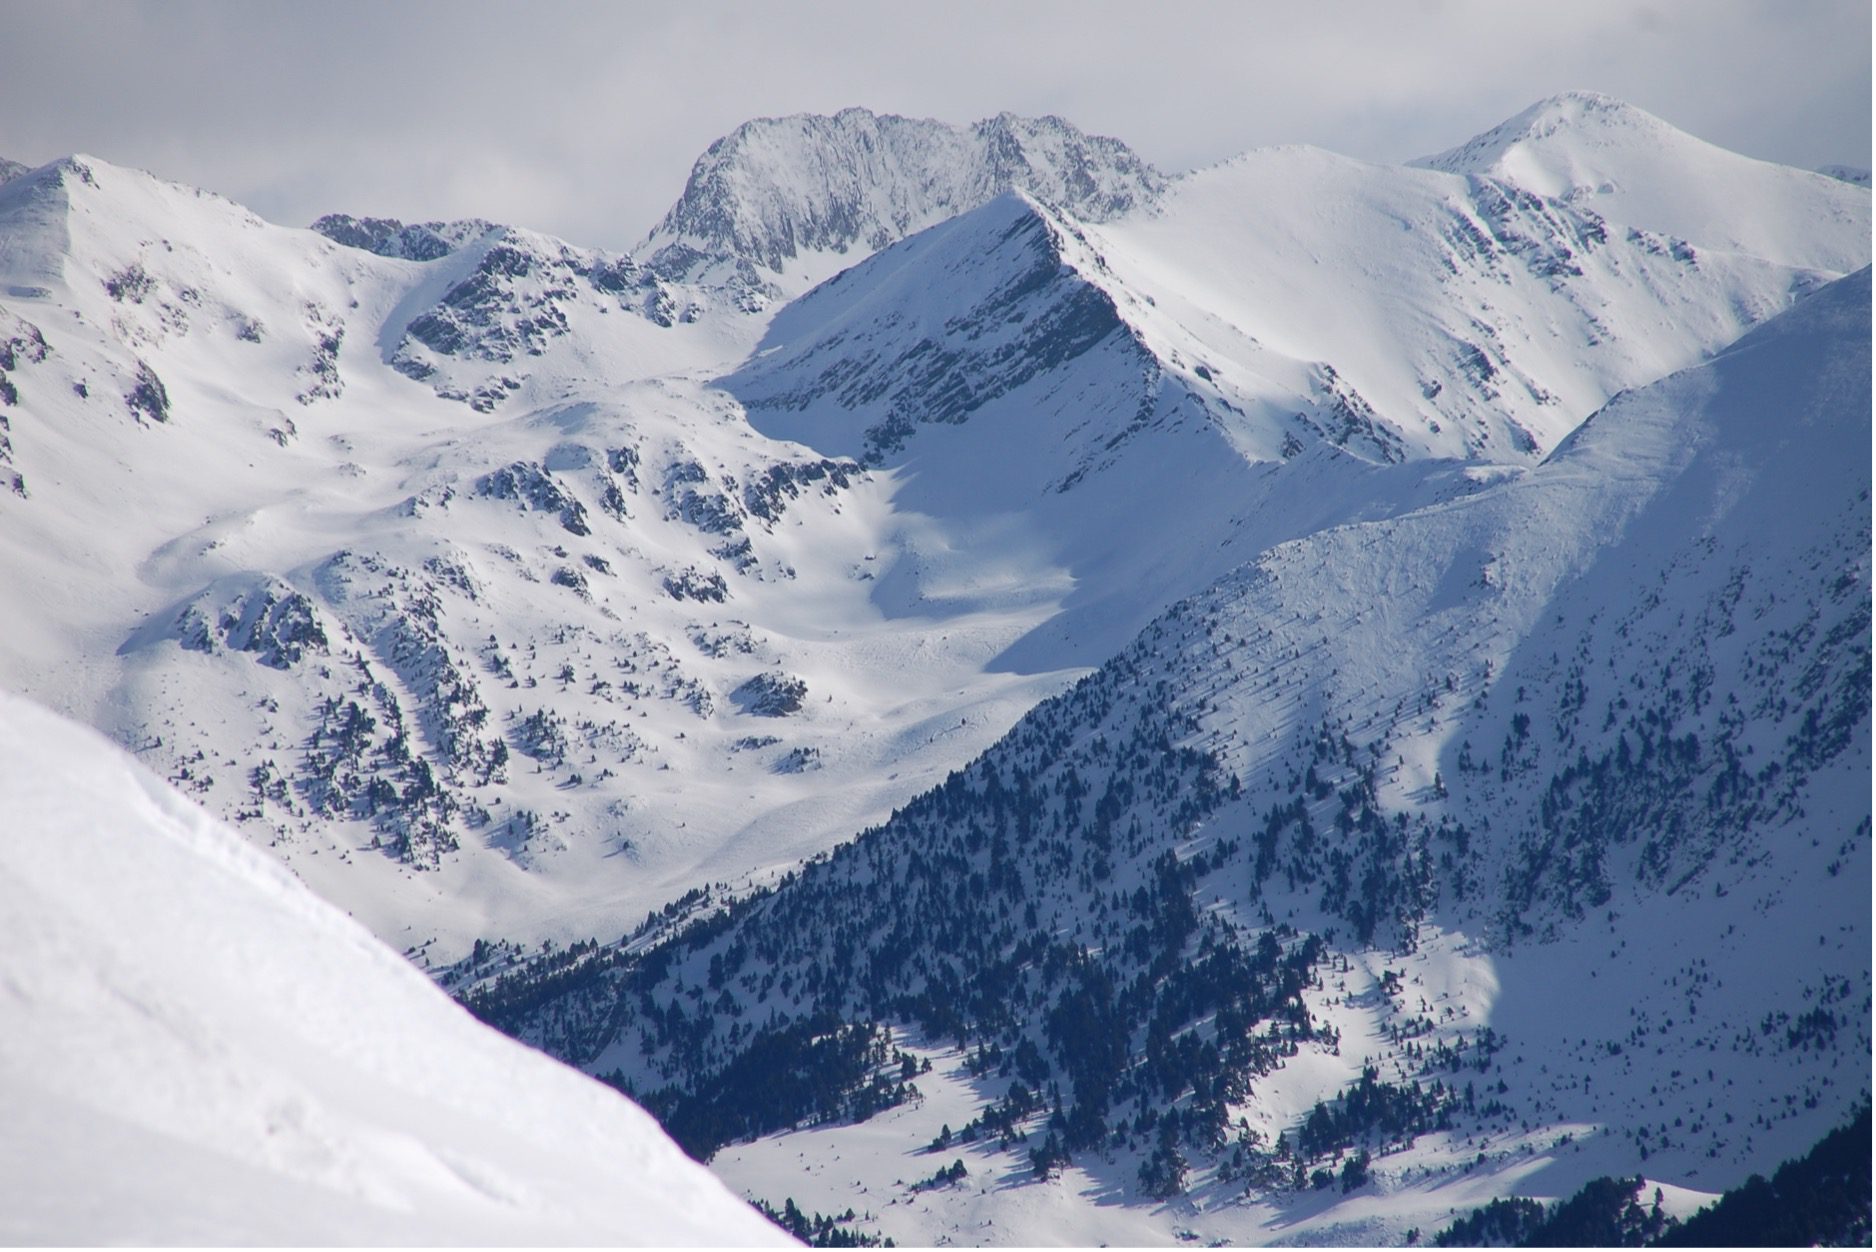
198, 1049
1529, 829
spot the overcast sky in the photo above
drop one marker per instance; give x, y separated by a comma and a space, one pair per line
582, 119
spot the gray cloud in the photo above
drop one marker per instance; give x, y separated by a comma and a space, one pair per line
582, 119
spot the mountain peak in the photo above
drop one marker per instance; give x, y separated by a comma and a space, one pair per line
104, 178
1569, 117
778, 187
1580, 104
1631, 167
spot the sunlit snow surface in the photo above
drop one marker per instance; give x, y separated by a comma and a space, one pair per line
198, 1050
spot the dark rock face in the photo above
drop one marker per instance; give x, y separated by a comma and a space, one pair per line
20, 342
322, 372
767, 495
275, 623
483, 315
771, 695
776, 187
147, 399
535, 491
691, 583
386, 236
129, 285
513, 303
278, 628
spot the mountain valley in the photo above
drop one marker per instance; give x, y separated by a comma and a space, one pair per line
1281, 703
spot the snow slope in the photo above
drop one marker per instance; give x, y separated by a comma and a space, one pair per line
1546, 805
199, 1051
1457, 316
1598, 152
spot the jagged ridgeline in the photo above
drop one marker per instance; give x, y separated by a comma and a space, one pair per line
1639, 669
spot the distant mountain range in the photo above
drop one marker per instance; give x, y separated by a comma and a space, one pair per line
1285, 630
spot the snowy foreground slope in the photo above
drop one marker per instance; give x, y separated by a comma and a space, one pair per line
1518, 839
199, 1051
509, 589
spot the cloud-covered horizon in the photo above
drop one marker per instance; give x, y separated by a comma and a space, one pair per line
583, 120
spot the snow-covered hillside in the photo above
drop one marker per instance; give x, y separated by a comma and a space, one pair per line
1515, 840
509, 589
472, 667
197, 1050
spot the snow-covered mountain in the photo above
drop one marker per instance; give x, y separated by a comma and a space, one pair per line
1637, 170
466, 560
198, 1050
783, 197
1508, 842
517, 593
1278, 344
1491, 320
297, 624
